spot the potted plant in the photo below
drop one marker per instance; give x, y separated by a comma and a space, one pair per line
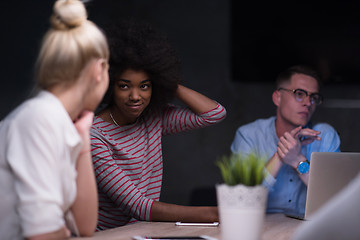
241, 198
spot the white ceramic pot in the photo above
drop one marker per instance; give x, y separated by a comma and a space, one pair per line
242, 211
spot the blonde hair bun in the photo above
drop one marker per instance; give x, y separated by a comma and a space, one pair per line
68, 14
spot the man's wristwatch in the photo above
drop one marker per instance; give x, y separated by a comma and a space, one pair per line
303, 167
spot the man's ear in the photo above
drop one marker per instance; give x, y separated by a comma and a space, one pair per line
276, 97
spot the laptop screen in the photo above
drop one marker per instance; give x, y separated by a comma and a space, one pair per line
329, 173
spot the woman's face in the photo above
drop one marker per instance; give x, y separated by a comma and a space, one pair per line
132, 94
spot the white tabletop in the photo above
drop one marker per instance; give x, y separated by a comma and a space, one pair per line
276, 226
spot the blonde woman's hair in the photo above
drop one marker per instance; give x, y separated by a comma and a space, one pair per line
70, 43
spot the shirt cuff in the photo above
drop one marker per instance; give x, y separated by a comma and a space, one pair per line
269, 181
41, 218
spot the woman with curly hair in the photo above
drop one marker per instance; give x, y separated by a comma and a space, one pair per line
126, 134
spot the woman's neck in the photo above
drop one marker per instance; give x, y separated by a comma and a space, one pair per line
71, 98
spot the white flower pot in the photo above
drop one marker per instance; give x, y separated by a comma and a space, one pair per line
242, 211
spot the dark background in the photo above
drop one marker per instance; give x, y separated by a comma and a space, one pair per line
324, 34
231, 51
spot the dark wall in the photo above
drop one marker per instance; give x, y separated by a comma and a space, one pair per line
271, 35
23, 24
201, 31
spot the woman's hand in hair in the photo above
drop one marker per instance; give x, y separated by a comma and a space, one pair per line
196, 101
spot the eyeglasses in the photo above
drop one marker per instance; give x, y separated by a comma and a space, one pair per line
301, 94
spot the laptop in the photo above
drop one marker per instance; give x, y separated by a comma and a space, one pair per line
329, 173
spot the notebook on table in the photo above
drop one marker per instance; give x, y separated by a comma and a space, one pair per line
329, 173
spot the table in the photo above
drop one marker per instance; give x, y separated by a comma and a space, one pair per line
276, 226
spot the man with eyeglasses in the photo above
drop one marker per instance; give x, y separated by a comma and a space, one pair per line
288, 139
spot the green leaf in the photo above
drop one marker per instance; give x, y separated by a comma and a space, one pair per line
242, 169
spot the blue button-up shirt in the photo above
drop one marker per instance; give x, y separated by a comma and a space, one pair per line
287, 193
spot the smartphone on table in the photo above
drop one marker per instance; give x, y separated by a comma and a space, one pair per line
202, 237
213, 224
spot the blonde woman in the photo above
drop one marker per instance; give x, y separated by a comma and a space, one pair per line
47, 182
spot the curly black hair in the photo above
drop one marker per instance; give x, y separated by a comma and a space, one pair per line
139, 46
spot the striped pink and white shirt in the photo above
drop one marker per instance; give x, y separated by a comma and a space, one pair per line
128, 161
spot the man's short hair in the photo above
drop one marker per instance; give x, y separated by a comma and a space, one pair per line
286, 75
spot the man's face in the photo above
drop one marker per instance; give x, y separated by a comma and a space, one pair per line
289, 110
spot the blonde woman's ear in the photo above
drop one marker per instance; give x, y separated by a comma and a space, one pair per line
101, 67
